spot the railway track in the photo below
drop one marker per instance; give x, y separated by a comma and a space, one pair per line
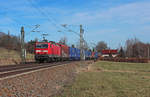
6, 71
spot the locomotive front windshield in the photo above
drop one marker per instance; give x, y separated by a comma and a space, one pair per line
41, 45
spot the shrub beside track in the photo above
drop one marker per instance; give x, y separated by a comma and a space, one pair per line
132, 60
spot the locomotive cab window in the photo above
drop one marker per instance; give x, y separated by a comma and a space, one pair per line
42, 46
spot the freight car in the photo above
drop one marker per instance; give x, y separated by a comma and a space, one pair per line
51, 51
109, 53
64, 52
88, 55
74, 53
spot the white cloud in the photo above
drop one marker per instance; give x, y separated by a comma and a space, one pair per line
128, 13
115, 21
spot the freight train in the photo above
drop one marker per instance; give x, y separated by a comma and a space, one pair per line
51, 51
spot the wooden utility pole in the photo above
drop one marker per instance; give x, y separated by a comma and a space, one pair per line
23, 52
82, 43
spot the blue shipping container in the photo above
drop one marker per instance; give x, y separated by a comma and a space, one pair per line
74, 53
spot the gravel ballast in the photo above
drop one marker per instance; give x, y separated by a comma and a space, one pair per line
40, 83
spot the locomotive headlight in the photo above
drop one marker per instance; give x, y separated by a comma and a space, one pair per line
38, 51
45, 51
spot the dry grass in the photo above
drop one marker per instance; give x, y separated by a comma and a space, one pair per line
8, 57
111, 79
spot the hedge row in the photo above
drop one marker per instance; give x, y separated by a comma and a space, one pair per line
132, 60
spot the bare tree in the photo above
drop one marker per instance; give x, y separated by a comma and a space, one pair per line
121, 52
30, 46
136, 48
10, 42
101, 46
73, 46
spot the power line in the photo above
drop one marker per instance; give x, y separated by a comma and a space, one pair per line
50, 19
65, 26
16, 21
33, 30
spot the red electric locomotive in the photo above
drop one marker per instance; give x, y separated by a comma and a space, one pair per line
47, 51
51, 51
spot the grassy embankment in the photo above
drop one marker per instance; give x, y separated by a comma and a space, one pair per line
12, 54
111, 79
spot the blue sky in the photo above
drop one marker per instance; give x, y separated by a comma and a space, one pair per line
112, 21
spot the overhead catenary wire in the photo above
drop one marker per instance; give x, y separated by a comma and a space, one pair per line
17, 22
35, 27
65, 26
48, 17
